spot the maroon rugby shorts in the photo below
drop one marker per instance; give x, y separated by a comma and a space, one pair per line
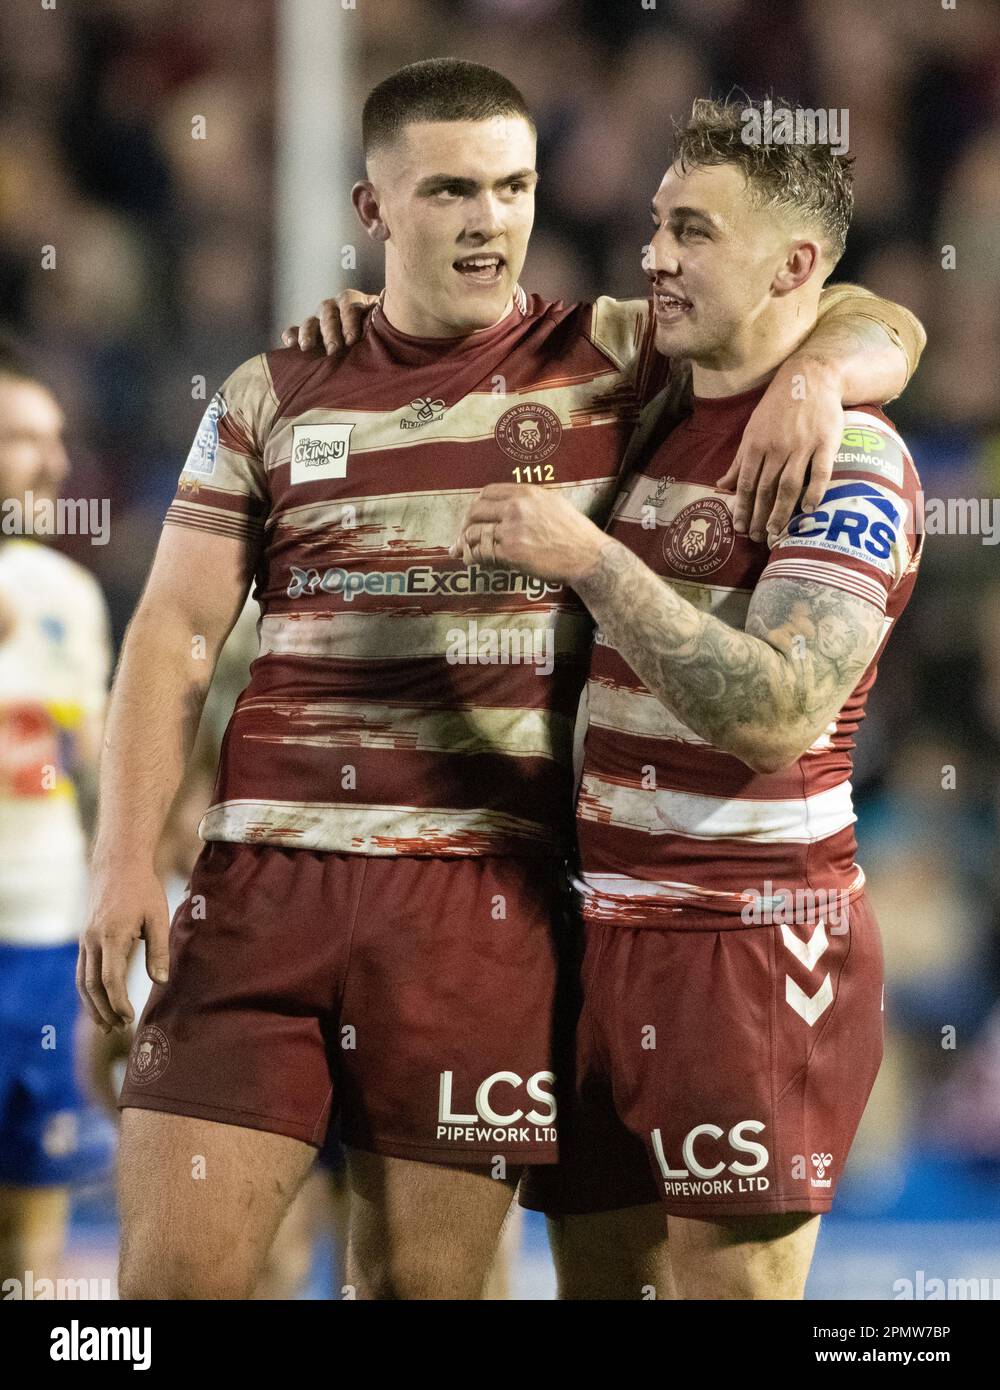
722, 1071
411, 998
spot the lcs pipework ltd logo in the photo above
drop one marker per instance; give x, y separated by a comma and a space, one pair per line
508, 1109
703, 1170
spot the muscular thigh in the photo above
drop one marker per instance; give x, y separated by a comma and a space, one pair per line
743, 1257
423, 1230
620, 1254
201, 1203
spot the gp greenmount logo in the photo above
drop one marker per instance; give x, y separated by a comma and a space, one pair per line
421, 581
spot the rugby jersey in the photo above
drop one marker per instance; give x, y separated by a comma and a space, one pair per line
665, 819
403, 702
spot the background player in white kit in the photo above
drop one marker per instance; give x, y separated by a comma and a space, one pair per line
54, 666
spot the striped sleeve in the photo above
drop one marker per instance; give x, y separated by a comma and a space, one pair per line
862, 538
854, 301
222, 488
625, 331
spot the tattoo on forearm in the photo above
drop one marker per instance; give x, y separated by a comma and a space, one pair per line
779, 682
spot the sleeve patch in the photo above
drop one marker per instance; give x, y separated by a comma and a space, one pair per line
867, 450
201, 458
856, 520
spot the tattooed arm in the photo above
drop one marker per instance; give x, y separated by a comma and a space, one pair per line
764, 694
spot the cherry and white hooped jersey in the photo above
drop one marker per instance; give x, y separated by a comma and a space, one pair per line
55, 660
665, 820
403, 702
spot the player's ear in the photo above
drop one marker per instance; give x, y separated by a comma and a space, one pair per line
369, 210
802, 260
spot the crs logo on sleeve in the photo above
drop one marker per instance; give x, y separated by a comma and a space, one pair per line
854, 518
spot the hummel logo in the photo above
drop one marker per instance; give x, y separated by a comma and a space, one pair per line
426, 412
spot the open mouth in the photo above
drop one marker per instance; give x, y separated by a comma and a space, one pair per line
482, 269
670, 307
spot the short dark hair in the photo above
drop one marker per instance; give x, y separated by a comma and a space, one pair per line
807, 176
438, 89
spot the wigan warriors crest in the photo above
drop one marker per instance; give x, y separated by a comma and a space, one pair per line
700, 538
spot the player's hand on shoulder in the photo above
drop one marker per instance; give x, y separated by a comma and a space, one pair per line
795, 430
126, 903
339, 323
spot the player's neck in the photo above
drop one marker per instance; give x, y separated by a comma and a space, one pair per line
417, 322
755, 352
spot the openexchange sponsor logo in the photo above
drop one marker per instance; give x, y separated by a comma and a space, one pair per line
779, 125
704, 1170
76, 1343
505, 646
422, 581
507, 1110
65, 516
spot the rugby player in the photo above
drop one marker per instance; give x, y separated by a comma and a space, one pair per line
54, 668
731, 1026
371, 929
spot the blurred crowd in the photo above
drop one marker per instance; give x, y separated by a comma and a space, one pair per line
163, 254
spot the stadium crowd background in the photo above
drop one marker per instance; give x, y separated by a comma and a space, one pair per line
164, 256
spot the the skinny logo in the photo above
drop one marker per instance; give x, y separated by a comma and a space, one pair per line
76, 1343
